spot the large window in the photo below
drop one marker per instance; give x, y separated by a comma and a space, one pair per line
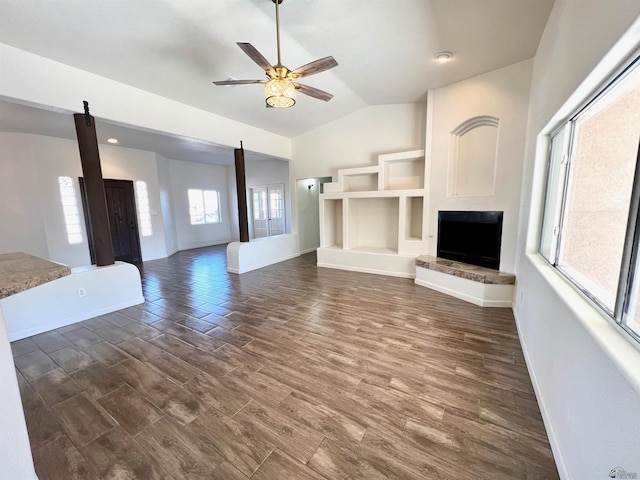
204, 206
144, 212
590, 226
70, 209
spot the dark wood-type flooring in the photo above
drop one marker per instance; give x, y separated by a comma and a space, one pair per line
288, 372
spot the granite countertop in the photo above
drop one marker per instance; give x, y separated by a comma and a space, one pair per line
463, 270
21, 271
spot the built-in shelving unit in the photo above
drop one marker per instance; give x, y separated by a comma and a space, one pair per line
373, 218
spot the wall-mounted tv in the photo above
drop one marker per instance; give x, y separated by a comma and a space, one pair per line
470, 237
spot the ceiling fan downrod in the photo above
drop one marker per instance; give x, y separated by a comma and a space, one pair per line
278, 2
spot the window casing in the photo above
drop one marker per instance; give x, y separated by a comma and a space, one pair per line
204, 206
589, 229
70, 209
144, 212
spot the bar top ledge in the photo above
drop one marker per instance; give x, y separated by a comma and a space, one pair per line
20, 271
464, 270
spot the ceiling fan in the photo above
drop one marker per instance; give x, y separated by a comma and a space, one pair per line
279, 86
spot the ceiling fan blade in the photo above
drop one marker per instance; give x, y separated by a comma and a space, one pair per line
239, 82
256, 56
315, 67
313, 92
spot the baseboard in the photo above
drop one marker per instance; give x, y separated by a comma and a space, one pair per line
71, 320
264, 264
551, 434
309, 250
463, 296
367, 270
202, 245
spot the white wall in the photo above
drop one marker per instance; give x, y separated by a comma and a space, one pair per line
56, 304
308, 207
15, 451
21, 226
166, 204
585, 370
186, 175
503, 94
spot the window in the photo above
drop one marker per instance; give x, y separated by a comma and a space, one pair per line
70, 209
144, 213
204, 206
268, 210
589, 228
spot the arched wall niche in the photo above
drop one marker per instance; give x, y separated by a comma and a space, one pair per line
473, 157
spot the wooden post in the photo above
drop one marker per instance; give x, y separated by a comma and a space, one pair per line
94, 187
241, 187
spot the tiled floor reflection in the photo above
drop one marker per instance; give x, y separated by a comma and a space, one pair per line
288, 372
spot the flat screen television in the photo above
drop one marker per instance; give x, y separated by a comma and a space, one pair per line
470, 237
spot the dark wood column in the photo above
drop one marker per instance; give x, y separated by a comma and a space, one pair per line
241, 187
94, 187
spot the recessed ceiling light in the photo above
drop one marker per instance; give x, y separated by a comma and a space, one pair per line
443, 57
112, 140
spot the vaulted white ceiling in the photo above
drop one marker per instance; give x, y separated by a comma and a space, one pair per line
176, 48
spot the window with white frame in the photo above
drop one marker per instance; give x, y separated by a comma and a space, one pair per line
204, 206
70, 209
590, 230
144, 212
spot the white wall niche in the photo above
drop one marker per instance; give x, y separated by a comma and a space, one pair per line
331, 215
403, 174
413, 218
373, 224
473, 157
361, 182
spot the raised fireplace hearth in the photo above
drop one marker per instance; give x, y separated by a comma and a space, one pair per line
481, 286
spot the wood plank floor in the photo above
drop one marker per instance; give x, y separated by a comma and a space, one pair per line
288, 372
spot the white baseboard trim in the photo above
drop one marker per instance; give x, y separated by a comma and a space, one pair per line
309, 250
463, 296
263, 264
182, 248
548, 425
71, 320
367, 270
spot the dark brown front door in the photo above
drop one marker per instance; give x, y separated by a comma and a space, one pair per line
123, 221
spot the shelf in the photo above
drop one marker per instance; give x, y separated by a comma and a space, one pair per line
373, 216
332, 224
413, 218
374, 194
372, 222
374, 250
360, 183
403, 174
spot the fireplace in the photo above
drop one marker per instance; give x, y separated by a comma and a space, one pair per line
470, 237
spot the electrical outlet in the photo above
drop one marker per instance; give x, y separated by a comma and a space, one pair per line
82, 292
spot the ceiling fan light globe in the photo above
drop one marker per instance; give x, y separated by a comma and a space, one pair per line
280, 93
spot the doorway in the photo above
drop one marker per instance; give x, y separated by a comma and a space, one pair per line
267, 204
308, 192
123, 220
